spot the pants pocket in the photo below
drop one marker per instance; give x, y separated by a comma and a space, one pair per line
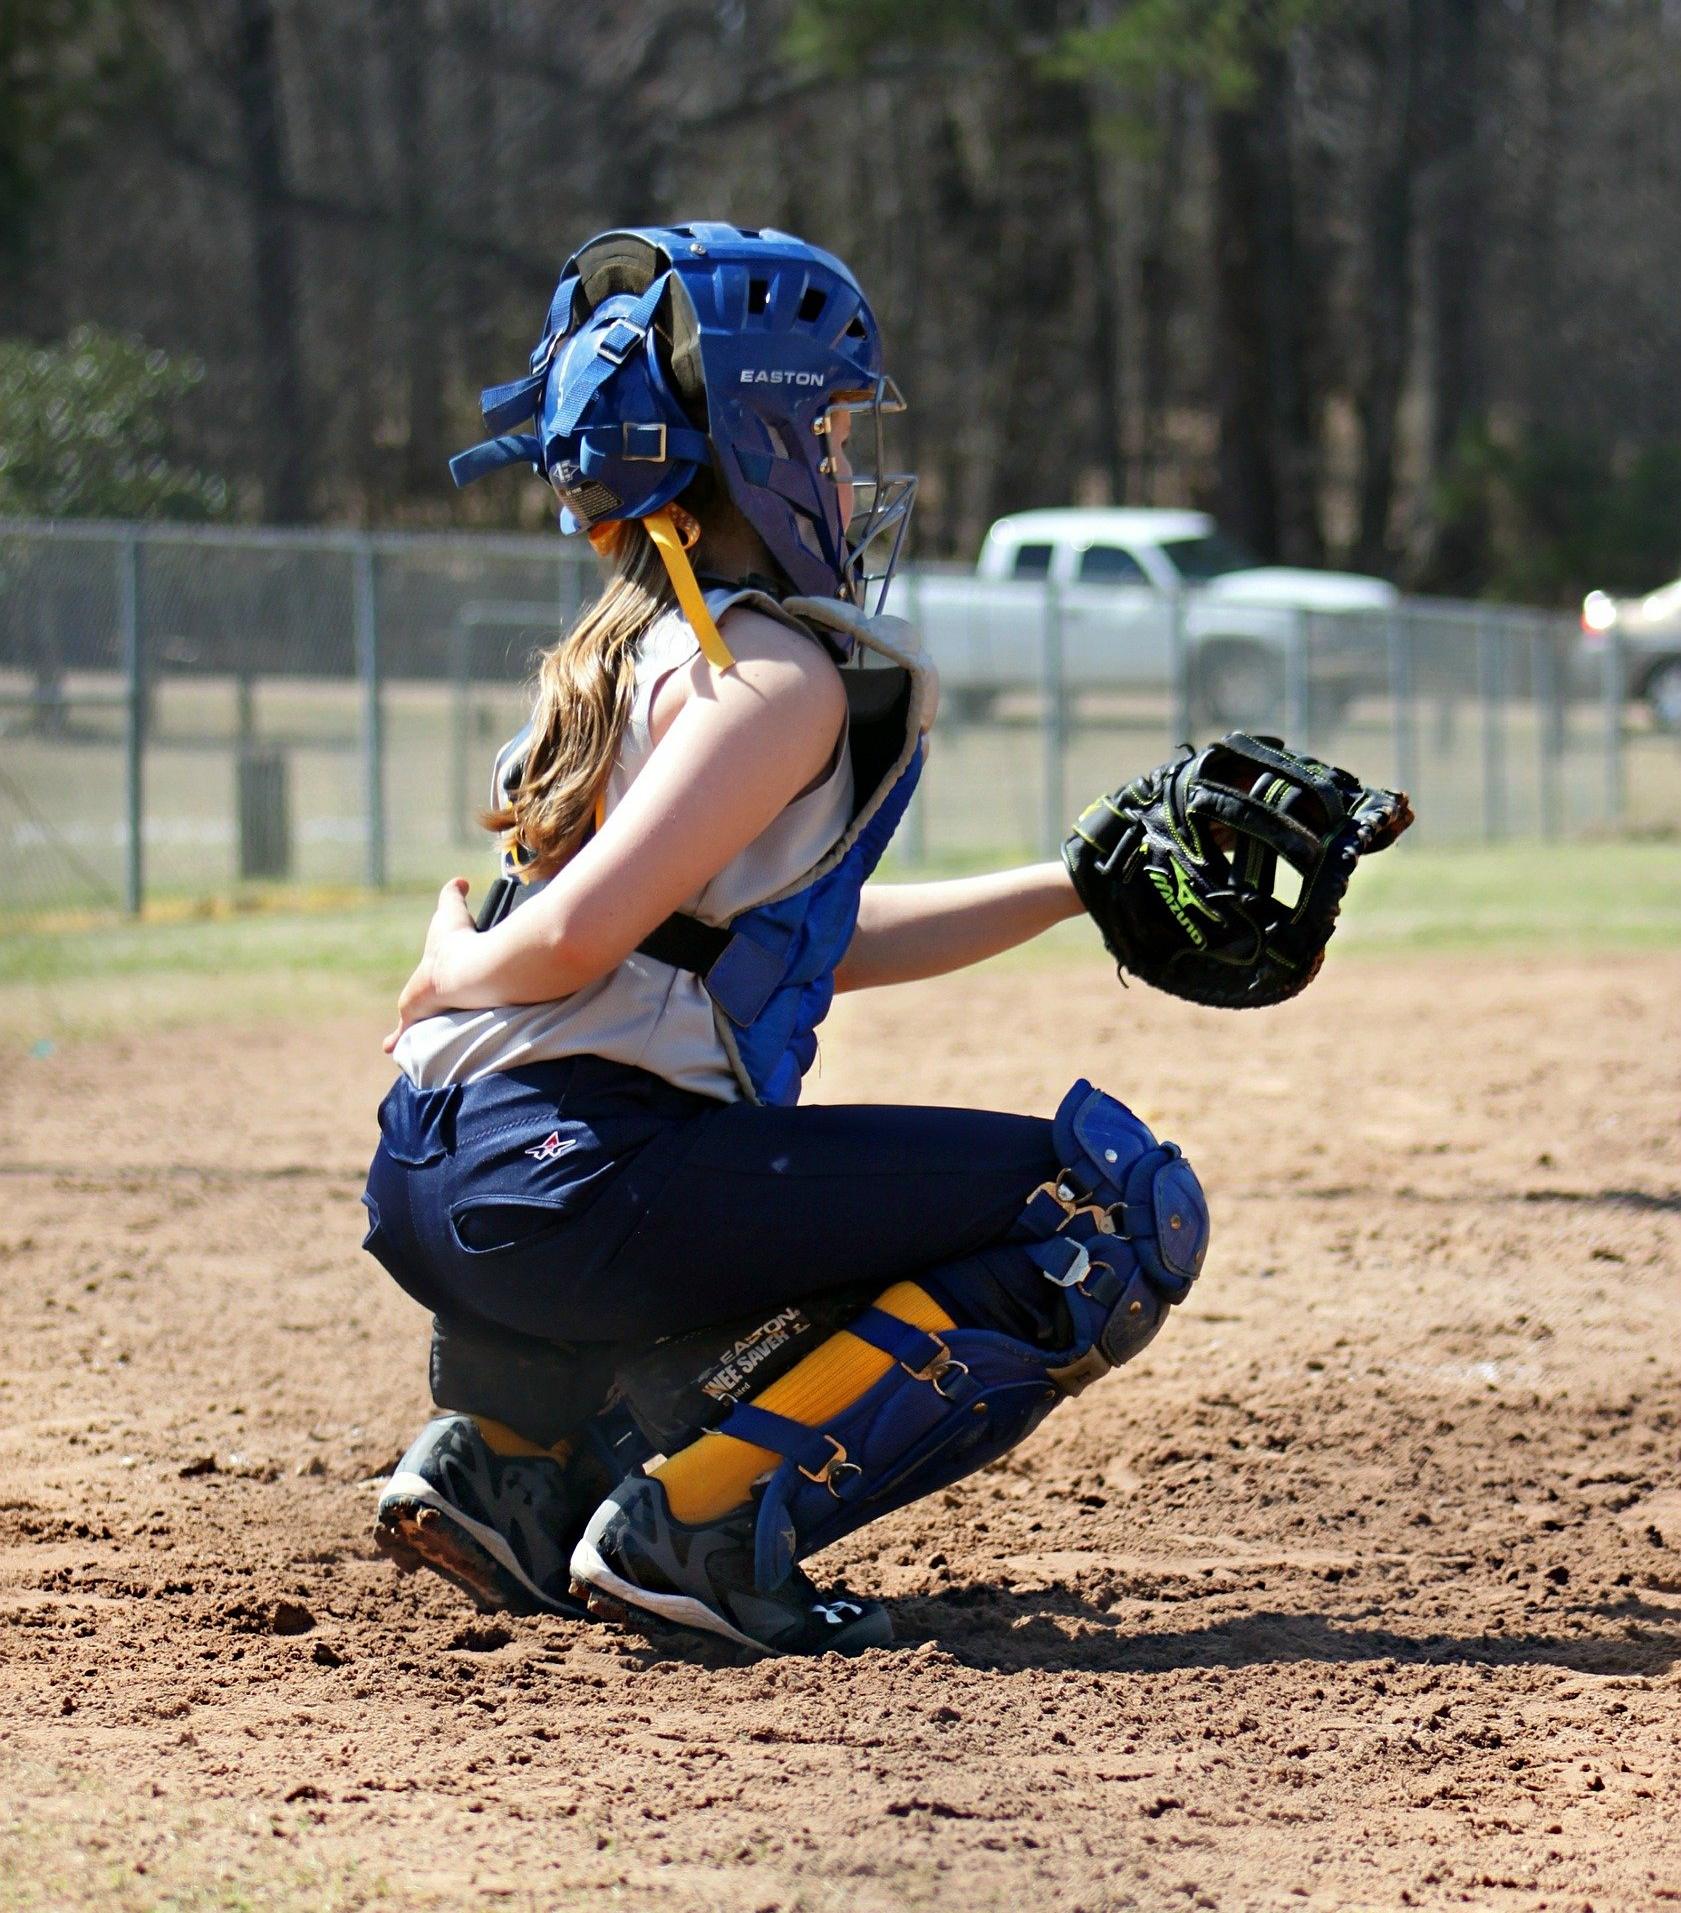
500, 1225
372, 1233
418, 1125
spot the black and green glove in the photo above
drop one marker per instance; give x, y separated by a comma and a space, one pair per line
1179, 869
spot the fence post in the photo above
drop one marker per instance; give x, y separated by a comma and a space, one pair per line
1490, 687
1179, 667
575, 575
1403, 718
1053, 736
1296, 682
1549, 731
1613, 688
461, 648
244, 709
134, 720
365, 586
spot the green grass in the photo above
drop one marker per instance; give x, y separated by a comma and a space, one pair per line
292, 962
1578, 896
376, 940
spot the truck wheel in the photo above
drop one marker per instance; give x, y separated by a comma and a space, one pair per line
1238, 686
968, 703
1662, 692
1331, 703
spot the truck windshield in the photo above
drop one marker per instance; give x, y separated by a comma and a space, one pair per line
1210, 556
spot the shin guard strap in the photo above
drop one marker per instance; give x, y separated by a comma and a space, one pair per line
913, 1348
922, 1355
818, 1457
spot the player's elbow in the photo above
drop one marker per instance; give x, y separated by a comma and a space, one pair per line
555, 955
580, 945
860, 967
572, 959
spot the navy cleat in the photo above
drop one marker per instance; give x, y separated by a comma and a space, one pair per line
634, 1554
500, 1526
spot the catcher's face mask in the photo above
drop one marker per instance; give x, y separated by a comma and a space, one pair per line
875, 501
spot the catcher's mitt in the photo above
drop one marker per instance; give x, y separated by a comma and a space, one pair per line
1179, 868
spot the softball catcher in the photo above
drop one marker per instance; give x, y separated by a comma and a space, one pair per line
685, 1331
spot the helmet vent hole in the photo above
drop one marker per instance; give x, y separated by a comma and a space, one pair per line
778, 444
812, 304
856, 330
758, 294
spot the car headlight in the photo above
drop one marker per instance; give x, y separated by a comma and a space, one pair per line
1599, 612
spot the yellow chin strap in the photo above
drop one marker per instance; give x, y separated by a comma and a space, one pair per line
673, 532
673, 548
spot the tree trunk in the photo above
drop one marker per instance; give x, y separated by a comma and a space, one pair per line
1544, 217
262, 131
1158, 288
1108, 420
1458, 235
407, 49
1268, 471
1396, 43
1041, 364
479, 50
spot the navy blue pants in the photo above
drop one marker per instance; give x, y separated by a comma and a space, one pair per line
586, 1201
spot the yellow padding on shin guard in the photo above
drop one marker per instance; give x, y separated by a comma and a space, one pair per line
502, 1440
716, 1473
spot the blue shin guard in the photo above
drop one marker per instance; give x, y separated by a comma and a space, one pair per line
1119, 1235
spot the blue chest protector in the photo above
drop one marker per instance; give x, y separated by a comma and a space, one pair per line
771, 971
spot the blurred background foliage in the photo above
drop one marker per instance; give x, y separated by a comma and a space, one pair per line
1391, 283
86, 430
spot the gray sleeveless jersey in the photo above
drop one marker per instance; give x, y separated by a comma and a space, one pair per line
645, 1012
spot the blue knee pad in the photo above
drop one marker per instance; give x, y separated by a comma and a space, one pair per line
1120, 1232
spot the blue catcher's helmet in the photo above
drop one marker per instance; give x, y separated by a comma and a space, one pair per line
670, 348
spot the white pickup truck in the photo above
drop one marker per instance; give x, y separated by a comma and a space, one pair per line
1114, 575
1649, 629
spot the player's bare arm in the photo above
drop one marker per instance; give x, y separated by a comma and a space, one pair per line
907, 931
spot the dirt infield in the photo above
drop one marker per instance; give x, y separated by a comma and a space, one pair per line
1362, 1588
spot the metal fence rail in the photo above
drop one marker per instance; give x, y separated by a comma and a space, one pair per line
186, 711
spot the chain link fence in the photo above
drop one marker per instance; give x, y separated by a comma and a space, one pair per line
187, 713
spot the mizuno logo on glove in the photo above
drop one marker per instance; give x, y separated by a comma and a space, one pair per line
1178, 895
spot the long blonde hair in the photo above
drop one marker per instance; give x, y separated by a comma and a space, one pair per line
585, 686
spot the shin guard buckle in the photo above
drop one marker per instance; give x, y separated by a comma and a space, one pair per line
937, 1368
1073, 1275
1069, 1201
836, 1465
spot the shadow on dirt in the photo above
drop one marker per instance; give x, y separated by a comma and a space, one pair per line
1642, 1199
1057, 1628
1665, 1202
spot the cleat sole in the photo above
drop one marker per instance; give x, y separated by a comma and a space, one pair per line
677, 1610
413, 1531
610, 1598
602, 1606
